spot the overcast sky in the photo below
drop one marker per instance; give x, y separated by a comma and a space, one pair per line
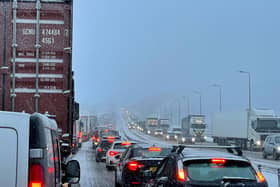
126, 51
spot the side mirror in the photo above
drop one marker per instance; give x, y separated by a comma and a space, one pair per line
72, 172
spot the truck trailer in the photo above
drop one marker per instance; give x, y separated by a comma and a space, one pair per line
247, 129
36, 59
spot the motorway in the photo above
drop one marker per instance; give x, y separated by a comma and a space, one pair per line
96, 175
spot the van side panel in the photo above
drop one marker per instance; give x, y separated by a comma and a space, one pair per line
8, 156
14, 137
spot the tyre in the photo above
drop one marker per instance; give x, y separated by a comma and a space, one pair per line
275, 155
97, 159
264, 155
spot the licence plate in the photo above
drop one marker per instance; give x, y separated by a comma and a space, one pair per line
153, 169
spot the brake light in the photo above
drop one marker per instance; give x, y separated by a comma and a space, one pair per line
106, 130
73, 145
113, 153
125, 143
218, 161
80, 134
156, 149
98, 139
110, 137
133, 165
93, 138
181, 175
99, 150
260, 177
36, 176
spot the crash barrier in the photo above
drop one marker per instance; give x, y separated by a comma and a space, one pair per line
271, 170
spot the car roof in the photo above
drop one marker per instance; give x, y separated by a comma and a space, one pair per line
144, 146
202, 153
120, 141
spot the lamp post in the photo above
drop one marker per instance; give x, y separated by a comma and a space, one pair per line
220, 93
249, 79
200, 100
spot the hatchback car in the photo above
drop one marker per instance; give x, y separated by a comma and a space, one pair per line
117, 148
203, 167
32, 155
135, 160
271, 146
103, 147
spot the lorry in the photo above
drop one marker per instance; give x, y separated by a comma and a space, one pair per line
36, 59
193, 127
152, 123
164, 125
247, 129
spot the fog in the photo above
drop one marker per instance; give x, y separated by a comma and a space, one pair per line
149, 54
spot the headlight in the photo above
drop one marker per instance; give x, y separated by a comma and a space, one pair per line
167, 137
175, 136
155, 133
258, 142
193, 139
183, 139
278, 148
161, 133
205, 137
149, 132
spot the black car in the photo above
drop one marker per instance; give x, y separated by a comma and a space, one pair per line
137, 159
192, 167
103, 147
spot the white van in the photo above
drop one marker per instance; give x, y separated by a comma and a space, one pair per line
30, 154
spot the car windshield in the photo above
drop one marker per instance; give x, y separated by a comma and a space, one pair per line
206, 171
109, 133
106, 144
121, 145
150, 152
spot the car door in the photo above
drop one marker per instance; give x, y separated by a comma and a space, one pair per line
266, 145
120, 165
165, 174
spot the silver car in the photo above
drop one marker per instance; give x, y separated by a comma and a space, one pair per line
271, 147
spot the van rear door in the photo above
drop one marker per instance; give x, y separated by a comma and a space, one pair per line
14, 147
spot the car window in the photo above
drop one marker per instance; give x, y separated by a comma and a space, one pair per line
205, 170
120, 146
105, 144
50, 155
271, 141
146, 152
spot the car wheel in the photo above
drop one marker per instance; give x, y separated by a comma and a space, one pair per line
275, 155
264, 155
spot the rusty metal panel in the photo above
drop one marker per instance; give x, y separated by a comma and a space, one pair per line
55, 73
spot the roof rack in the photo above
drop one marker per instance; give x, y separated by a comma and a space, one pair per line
231, 149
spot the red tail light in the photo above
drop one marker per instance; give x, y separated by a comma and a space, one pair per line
110, 137
99, 150
182, 175
80, 134
98, 139
133, 165
93, 138
36, 176
125, 143
156, 149
113, 153
218, 161
73, 145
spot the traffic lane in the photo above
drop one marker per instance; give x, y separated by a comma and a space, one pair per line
93, 174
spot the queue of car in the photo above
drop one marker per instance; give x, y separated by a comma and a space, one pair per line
148, 165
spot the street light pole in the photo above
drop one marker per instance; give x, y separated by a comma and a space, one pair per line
220, 93
200, 100
250, 97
